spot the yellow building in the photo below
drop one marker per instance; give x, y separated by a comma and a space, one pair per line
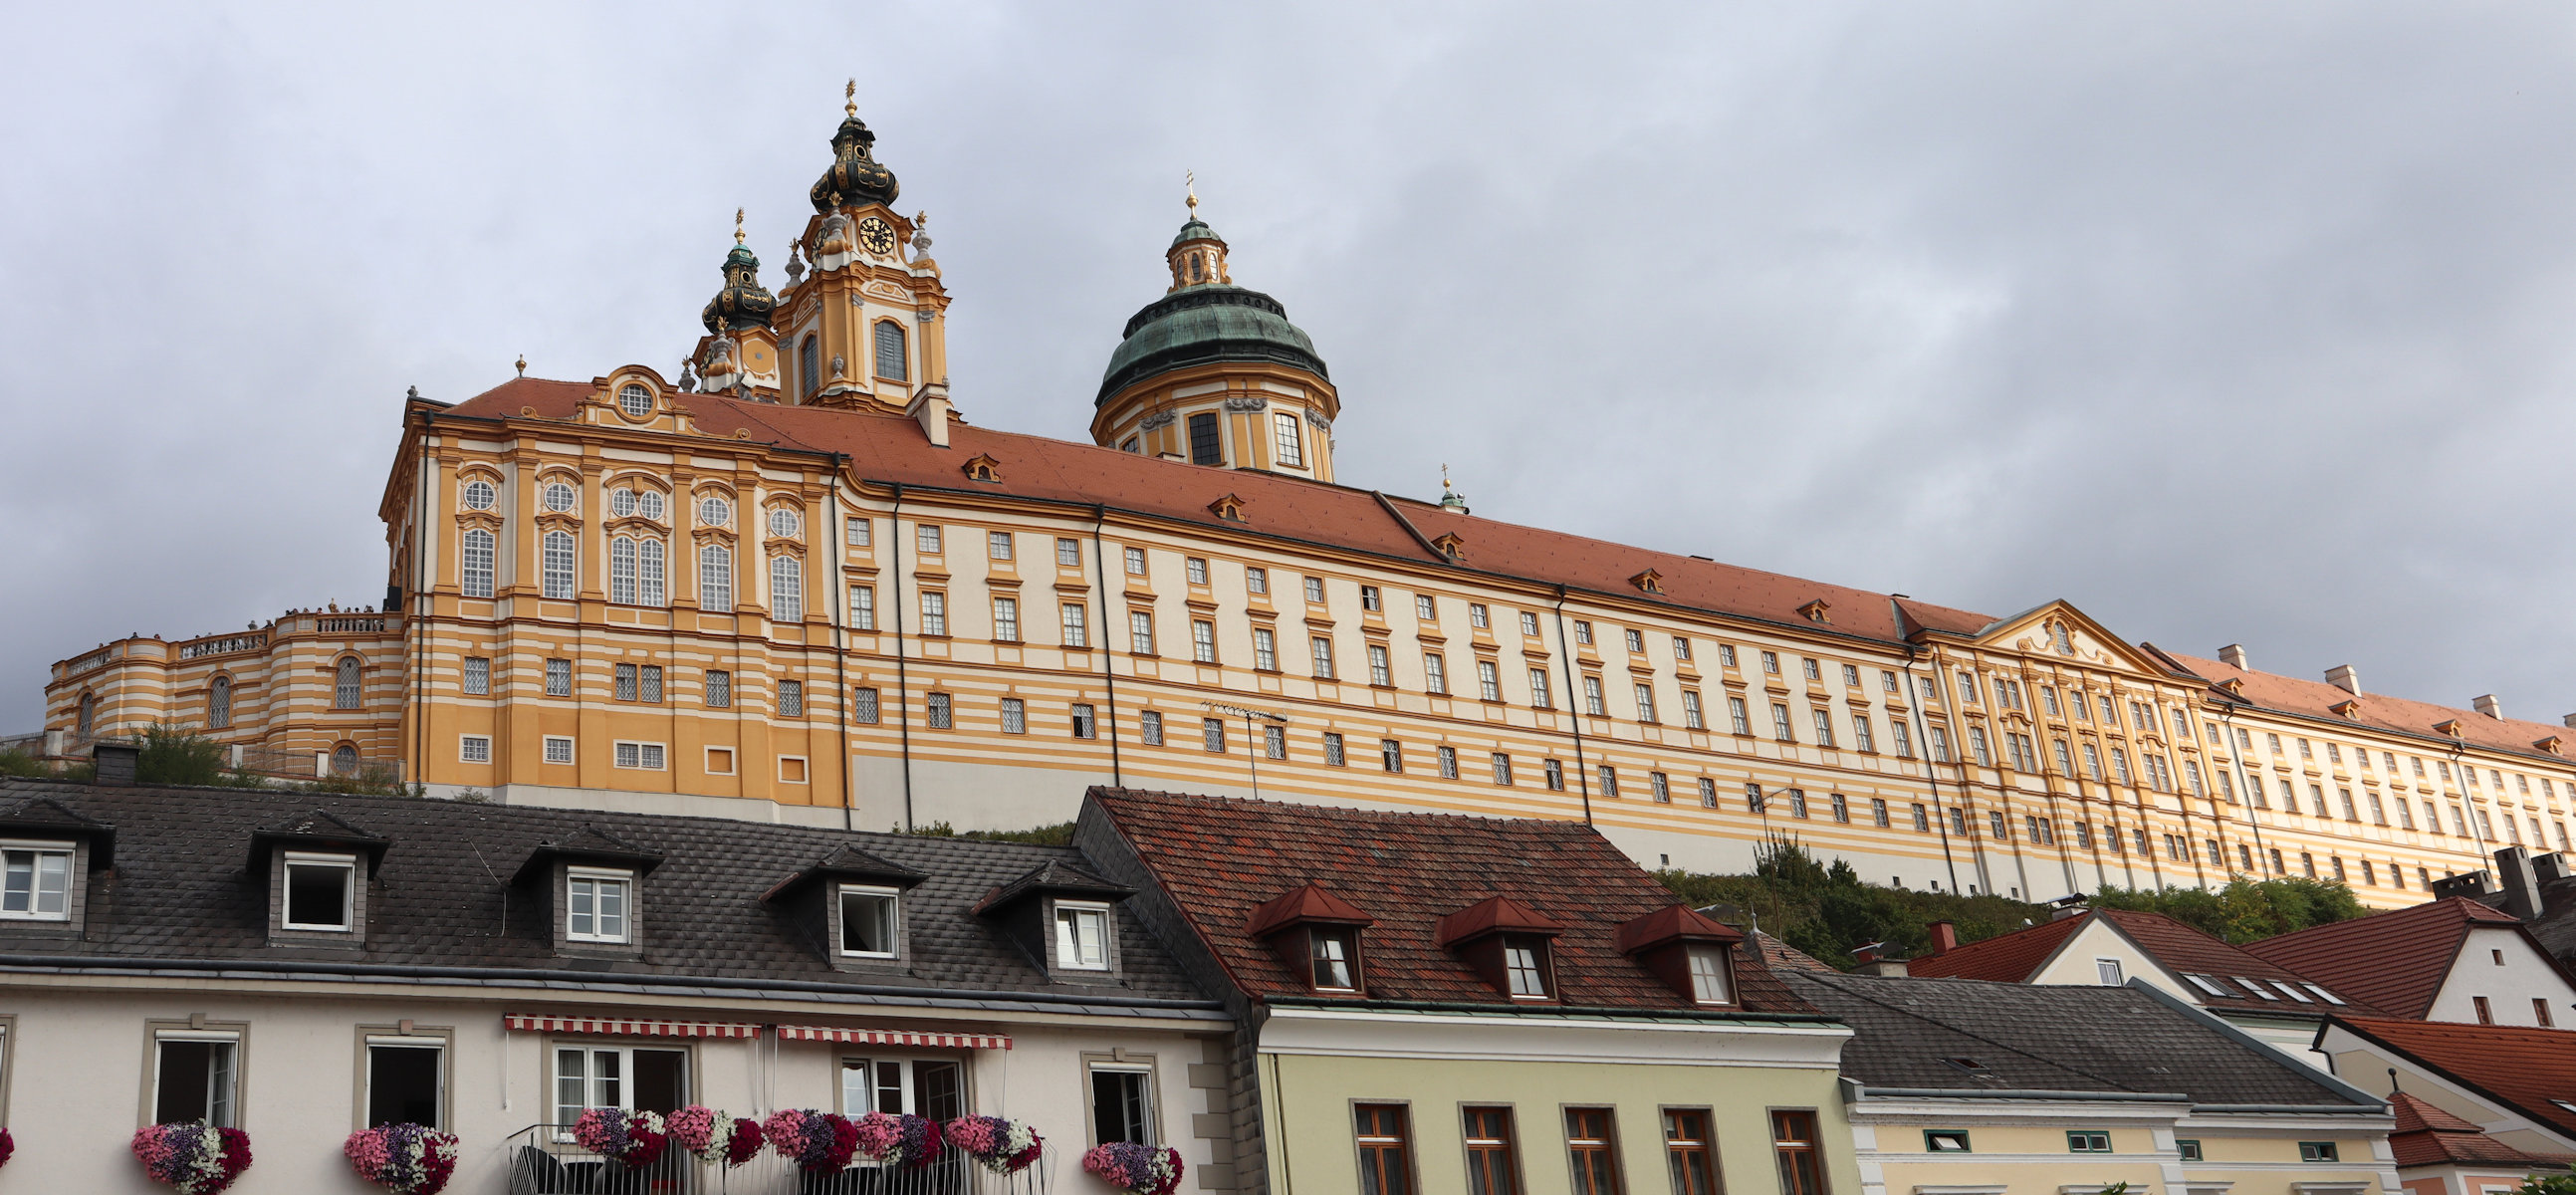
794, 582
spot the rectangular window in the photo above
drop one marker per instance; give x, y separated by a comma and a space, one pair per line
1707, 793
1315, 589
1068, 553
1681, 649
1645, 703
1323, 652
475, 748
1212, 735
1140, 632
1661, 787
1771, 663
1502, 769
478, 675
1808, 668
997, 545
1940, 745
1135, 558
406, 1081
867, 922
1842, 807
1082, 937
943, 711
1555, 773
1015, 716
1085, 724
1793, 1146
1737, 717
320, 891
1265, 649
926, 538
934, 613
1539, 698
1256, 581
193, 1077
1860, 733
1205, 445
719, 689
1274, 742
1424, 609
2317, 1151
1493, 1165
1922, 819
1122, 1105
1448, 757
1435, 673
652, 684
863, 607
1691, 716
1370, 600
595, 905
2087, 1141
1529, 624
1583, 632
558, 749
1378, 673
1781, 728
1195, 568
787, 588
1824, 720
863, 706
1149, 728
1006, 619
1202, 641
1593, 1151
1489, 681
1878, 812
558, 678
1333, 755
647, 756
1386, 1159
1609, 781
1391, 754
1077, 625
1478, 617
1688, 1146
854, 531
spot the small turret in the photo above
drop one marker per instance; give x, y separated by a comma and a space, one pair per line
743, 303
854, 179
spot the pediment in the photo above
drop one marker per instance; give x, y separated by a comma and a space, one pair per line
2059, 631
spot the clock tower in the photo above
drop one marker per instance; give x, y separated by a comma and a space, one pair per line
861, 324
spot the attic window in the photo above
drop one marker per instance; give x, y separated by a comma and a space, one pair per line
2449, 726
2235, 686
319, 891
1651, 581
2211, 985
867, 921
1970, 1065
2292, 992
1334, 953
1525, 965
597, 904
38, 882
1949, 1141
2322, 994
2256, 987
2549, 745
1451, 545
1229, 508
2348, 708
981, 468
1816, 611
1317, 934
1708, 974
1506, 942
1081, 936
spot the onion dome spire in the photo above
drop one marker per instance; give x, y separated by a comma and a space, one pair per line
855, 179
743, 303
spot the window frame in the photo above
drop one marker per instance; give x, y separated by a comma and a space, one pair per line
73, 887
1056, 924
1506, 1145
1677, 1148
1606, 1145
626, 879
892, 921
439, 1039
157, 1033
288, 862
1123, 1062
1406, 1156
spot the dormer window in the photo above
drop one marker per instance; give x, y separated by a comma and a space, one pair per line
1333, 954
1692, 953
1525, 964
1081, 936
35, 881
321, 892
1507, 943
868, 921
598, 904
1708, 974
1316, 935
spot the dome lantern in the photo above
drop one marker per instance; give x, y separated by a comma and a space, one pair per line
743, 303
854, 179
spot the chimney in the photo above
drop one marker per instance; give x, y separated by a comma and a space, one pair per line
2489, 706
2342, 676
1945, 937
2521, 887
113, 762
2549, 867
931, 408
2062, 912
2569, 721
1874, 961
2471, 884
2233, 655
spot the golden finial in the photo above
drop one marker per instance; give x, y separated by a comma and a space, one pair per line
1444, 475
1190, 184
737, 226
523, 365
851, 94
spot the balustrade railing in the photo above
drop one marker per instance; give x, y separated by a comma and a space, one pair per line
224, 645
544, 1160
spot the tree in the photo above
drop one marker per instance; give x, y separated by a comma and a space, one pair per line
2245, 910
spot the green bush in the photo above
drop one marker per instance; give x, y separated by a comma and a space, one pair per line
2245, 910
176, 755
1059, 834
18, 761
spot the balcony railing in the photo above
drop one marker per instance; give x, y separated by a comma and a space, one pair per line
223, 645
544, 1160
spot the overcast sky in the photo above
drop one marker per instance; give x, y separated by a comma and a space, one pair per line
2226, 322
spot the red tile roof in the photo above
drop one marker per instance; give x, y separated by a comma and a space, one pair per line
2015, 957
2428, 1136
2374, 711
1219, 858
884, 448
2394, 961
2524, 1069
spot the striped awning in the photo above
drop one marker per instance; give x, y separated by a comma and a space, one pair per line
895, 1037
627, 1028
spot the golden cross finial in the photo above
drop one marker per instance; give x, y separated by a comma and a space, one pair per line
851, 94
1190, 184
737, 226
1444, 475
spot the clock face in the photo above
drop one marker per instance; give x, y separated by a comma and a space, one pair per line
877, 235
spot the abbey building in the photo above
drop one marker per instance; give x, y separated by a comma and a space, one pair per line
794, 583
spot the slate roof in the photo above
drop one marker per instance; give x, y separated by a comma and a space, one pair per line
2393, 961
2523, 1068
1973, 1035
890, 449
2015, 957
2376, 711
1784, 957
1218, 859
180, 892
2428, 1136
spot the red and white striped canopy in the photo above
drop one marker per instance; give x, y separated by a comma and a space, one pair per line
895, 1037
627, 1028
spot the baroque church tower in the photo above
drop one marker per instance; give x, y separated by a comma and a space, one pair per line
1214, 374
858, 325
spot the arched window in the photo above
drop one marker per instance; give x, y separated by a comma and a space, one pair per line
344, 760
219, 702
621, 571
88, 714
477, 580
344, 690
715, 578
648, 575
786, 589
558, 565
1198, 268
809, 365
890, 360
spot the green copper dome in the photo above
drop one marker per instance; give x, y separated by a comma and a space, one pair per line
1195, 230
1199, 324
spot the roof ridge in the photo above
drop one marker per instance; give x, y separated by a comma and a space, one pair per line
1835, 981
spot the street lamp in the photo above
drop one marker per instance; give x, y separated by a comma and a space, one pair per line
1252, 753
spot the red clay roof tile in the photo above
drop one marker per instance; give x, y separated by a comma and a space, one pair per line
2393, 961
2527, 1069
2015, 957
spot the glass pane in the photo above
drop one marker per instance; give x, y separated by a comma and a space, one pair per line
856, 1091
661, 1080
403, 1085
183, 1081
571, 1085
939, 1088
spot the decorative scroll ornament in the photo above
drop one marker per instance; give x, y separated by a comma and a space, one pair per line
1157, 421
1321, 424
1247, 402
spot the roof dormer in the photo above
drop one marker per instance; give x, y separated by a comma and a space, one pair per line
46, 854
315, 867
1693, 954
1064, 918
1818, 610
1509, 944
591, 884
851, 905
1318, 935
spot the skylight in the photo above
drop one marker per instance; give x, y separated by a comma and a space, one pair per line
2292, 992
2328, 997
2209, 984
2258, 989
